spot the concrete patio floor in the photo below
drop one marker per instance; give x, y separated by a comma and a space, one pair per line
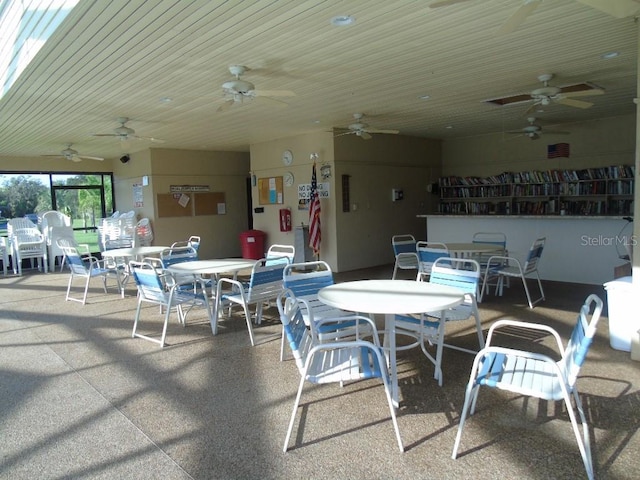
79, 398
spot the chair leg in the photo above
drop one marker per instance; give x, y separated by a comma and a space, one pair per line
135, 321
282, 345
293, 414
583, 440
471, 391
69, 287
247, 316
86, 290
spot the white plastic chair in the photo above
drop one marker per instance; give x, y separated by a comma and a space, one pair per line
86, 268
428, 253
304, 281
4, 254
537, 375
152, 289
28, 243
500, 268
404, 249
456, 272
335, 362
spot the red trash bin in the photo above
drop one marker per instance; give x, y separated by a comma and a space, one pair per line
252, 243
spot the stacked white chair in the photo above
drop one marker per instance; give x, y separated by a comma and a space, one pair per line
55, 225
27, 242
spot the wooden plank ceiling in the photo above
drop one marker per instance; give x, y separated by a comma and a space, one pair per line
121, 58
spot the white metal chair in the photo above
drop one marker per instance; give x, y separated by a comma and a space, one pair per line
304, 280
537, 375
428, 253
152, 289
404, 249
335, 362
281, 253
86, 268
457, 272
264, 285
500, 268
193, 241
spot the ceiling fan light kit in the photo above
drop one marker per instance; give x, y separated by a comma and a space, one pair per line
124, 133
71, 154
362, 130
236, 91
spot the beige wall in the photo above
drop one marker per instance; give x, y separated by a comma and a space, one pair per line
596, 143
375, 167
220, 171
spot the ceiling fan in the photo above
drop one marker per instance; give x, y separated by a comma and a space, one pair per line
362, 129
73, 155
548, 94
124, 133
534, 131
615, 8
238, 91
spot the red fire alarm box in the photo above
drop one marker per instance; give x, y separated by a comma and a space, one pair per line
285, 220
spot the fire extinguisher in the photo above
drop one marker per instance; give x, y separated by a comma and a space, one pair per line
285, 220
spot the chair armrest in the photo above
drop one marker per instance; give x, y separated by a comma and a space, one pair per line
487, 351
357, 318
527, 326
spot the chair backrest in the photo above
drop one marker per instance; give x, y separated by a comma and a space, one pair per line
280, 254
14, 224
265, 282
403, 244
299, 337
492, 238
462, 273
149, 282
428, 253
193, 241
581, 338
174, 255
74, 259
53, 218
306, 279
534, 255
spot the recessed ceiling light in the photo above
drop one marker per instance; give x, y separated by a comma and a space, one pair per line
315, 121
449, 127
424, 97
343, 20
609, 55
166, 100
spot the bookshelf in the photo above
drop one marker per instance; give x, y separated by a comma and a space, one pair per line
602, 191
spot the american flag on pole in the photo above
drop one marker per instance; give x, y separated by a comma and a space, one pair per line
314, 214
558, 150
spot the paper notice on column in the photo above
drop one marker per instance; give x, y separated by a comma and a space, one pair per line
183, 201
222, 208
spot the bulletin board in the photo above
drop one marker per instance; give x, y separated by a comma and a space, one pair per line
270, 190
169, 206
209, 203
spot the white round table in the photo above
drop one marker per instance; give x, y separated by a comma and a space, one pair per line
391, 297
470, 249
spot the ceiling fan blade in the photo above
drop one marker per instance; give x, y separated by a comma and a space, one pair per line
104, 135
226, 105
531, 108
150, 139
375, 130
364, 135
617, 8
344, 133
555, 132
86, 157
274, 93
518, 17
583, 93
569, 102
445, 3
271, 101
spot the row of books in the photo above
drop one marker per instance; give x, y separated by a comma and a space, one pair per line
602, 173
543, 207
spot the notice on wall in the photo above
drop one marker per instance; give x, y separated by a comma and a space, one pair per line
138, 195
304, 192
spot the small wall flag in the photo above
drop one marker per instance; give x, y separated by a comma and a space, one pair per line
558, 150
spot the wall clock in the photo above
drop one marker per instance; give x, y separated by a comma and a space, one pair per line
288, 179
287, 157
